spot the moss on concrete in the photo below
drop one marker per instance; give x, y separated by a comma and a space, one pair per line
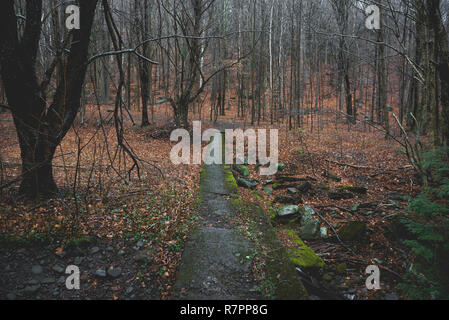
302, 255
279, 269
229, 180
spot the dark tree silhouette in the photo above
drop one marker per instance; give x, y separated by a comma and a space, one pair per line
41, 126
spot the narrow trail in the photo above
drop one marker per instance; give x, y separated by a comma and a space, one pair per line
215, 263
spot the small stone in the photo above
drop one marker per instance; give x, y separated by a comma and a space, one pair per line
94, 250
115, 272
140, 244
100, 273
268, 191
378, 261
78, 261
31, 289
310, 228
58, 269
292, 190
121, 253
129, 290
48, 281
323, 232
247, 183
37, 270
287, 211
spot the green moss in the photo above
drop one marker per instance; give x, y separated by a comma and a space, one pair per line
279, 269
81, 243
341, 268
229, 180
303, 256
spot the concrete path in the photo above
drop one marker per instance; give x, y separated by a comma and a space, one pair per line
215, 264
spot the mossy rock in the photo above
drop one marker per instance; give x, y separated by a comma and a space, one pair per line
281, 166
242, 170
341, 268
303, 256
353, 231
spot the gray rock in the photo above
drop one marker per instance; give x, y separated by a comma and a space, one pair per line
94, 250
78, 261
100, 273
268, 191
292, 190
308, 210
140, 244
121, 253
287, 211
323, 232
310, 227
58, 269
48, 281
129, 290
115, 272
37, 269
247, 183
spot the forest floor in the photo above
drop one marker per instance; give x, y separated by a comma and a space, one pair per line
128, 238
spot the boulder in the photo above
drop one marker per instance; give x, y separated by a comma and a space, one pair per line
288, 211
247, 183
310, 226
303, 256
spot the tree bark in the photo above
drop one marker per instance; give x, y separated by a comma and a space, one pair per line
40, 129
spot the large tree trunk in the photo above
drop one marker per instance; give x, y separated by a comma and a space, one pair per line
40, 129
